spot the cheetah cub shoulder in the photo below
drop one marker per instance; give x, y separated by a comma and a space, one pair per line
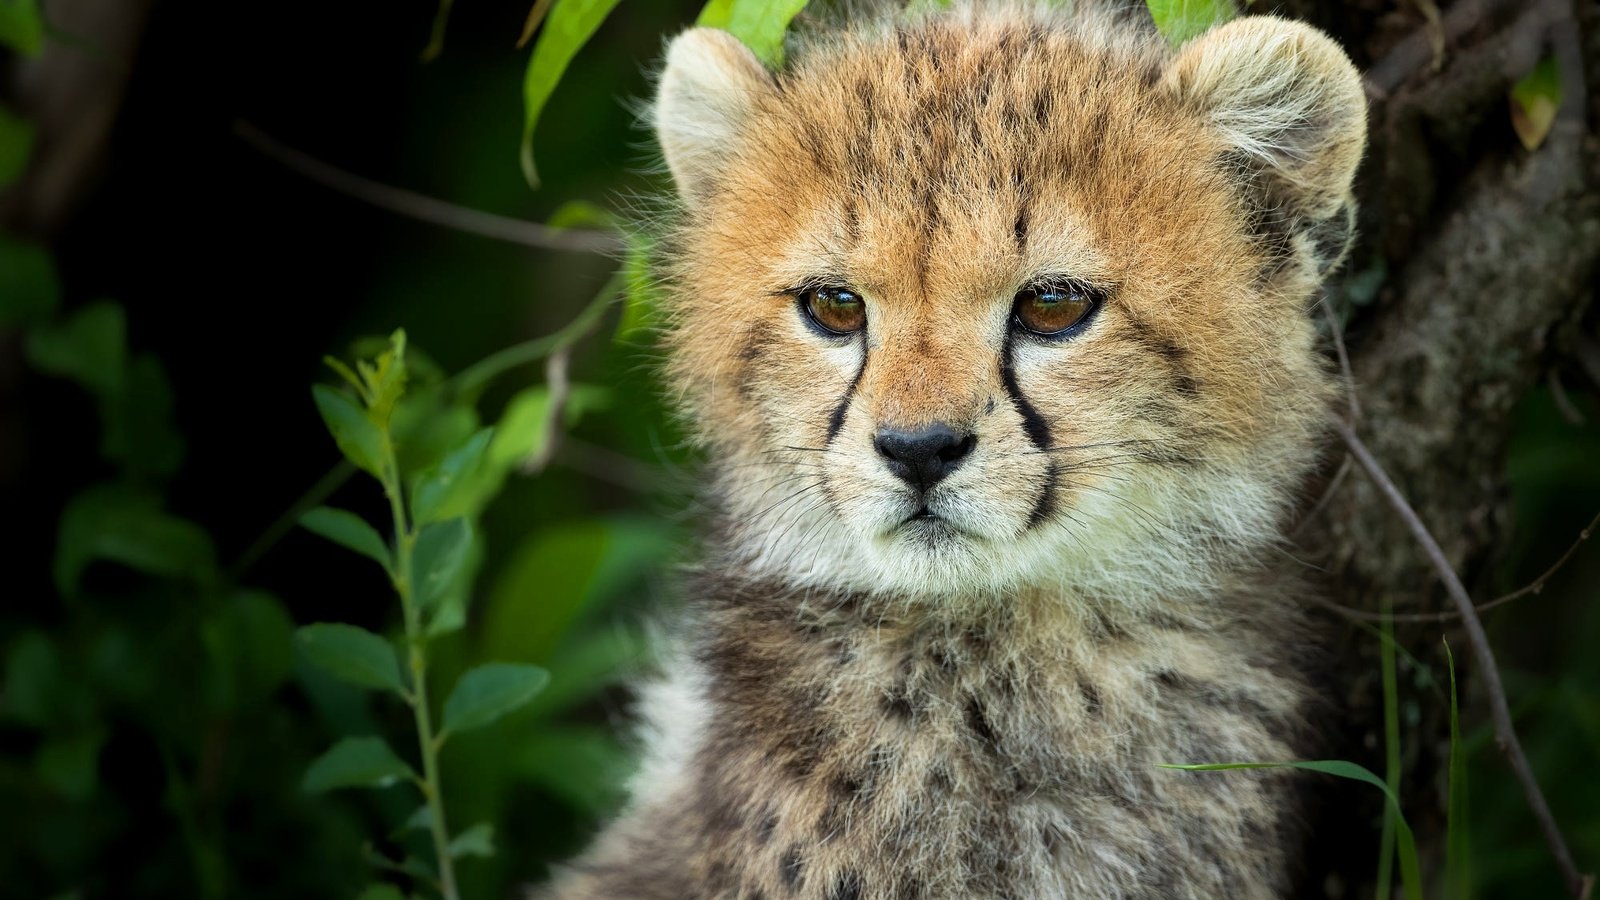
993, 325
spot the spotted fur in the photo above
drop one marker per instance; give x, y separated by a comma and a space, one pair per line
868, 705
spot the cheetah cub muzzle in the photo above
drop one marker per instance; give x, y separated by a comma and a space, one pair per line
993, 324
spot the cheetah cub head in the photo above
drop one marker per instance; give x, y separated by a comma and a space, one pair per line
1006, 299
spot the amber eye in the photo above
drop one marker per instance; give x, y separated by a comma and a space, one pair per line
835, 310
1054, 309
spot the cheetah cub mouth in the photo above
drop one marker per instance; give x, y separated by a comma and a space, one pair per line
1006, 308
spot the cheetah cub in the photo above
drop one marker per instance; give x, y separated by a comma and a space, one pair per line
994, 325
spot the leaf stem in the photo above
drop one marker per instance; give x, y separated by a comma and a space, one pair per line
416, 641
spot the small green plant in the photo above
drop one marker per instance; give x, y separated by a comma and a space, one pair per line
428, 558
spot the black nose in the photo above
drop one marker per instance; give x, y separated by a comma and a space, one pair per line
923, 456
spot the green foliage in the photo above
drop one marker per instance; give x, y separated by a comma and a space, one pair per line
1535, 99
485, 694
29, 291
1181, 20
351, 654
21, 26
351, 532
760, 24
16, 146
356, 762
570, 25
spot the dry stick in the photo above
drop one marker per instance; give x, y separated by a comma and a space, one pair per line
1417, 50
1532, 587
1505, 732
555, 373
428, 209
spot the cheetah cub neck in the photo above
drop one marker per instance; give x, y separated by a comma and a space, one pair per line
993, 324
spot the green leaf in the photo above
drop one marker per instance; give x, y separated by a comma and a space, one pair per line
349, 531
21, 26
70, 764
356, 762
523, 429
90, 348
381, 892
439, 556
120, 524
570, 25
581, 214
444, 490
581, 668
16, 144
386, 378
249, 640
490, 691
1534, 103
29, 289
475, 841
1410, 870
760, 24
33, 680
1180, 20
359, 439
641, 298
425, 430
352, 654
421, 819
555, 575
586, 766
141, 433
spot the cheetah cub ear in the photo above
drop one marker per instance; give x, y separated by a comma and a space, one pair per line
1290, 102
710, 86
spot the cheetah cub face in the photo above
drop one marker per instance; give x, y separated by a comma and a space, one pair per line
1006, 298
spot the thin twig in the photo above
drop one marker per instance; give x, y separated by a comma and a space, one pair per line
1328, 493
1500, 712
1337, 331
1416, 51
1533, 587
555, 373
535, 16
608, 465
429, 209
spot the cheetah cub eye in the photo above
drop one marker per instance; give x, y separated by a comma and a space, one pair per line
1056, 310
835, 311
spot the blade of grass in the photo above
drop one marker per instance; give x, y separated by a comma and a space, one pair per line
1391, 754
1458, 851
1410, 869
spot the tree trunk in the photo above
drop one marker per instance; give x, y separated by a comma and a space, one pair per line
1482, 254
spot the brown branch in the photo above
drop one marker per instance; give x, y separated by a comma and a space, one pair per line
1533, 587
429, 209
1500, 712
1418, 50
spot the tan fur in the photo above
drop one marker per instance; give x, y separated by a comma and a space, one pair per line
868, 707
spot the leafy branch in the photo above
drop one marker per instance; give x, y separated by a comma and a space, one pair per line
428, 560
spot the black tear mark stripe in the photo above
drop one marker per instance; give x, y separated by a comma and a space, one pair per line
836, 418
1033, 424
1045, 506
